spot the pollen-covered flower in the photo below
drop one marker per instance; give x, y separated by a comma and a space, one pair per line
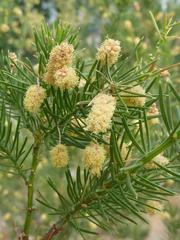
160, 159
109, 51
34, 98
94, 157
60, 56
154, 207
65, 78
135, 97
152, 113
99, 118
59, 155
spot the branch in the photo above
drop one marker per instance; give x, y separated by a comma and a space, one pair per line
54, 230
30, 185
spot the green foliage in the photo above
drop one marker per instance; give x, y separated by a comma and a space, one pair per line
122, 190
13, 147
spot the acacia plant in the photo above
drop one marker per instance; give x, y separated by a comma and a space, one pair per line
117, 115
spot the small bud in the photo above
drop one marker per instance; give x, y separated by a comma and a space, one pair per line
82, 83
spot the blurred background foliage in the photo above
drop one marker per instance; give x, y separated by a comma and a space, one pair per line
126, 20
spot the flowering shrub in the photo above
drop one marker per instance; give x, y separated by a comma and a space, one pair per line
106, 119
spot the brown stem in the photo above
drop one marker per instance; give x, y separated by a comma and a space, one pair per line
54, 230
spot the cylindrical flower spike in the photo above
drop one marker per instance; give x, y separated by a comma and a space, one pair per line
34, 98
59, 155
109, 51
65, 78
99, 118
94, 157
132, 99
60, 56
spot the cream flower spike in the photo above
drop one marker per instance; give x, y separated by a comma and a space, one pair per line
101, 113
94, 157
34, 98
59, 155
60, 56
109, 51
66, 78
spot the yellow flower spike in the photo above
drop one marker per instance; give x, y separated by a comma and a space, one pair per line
34, 98
60, 56
59, 155
94, 157
65, 78
109, 51
99, 118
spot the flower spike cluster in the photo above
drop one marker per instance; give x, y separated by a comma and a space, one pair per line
34, 98
59, 73
59, 155
109, 51
65, 78
99, 118
94, 157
